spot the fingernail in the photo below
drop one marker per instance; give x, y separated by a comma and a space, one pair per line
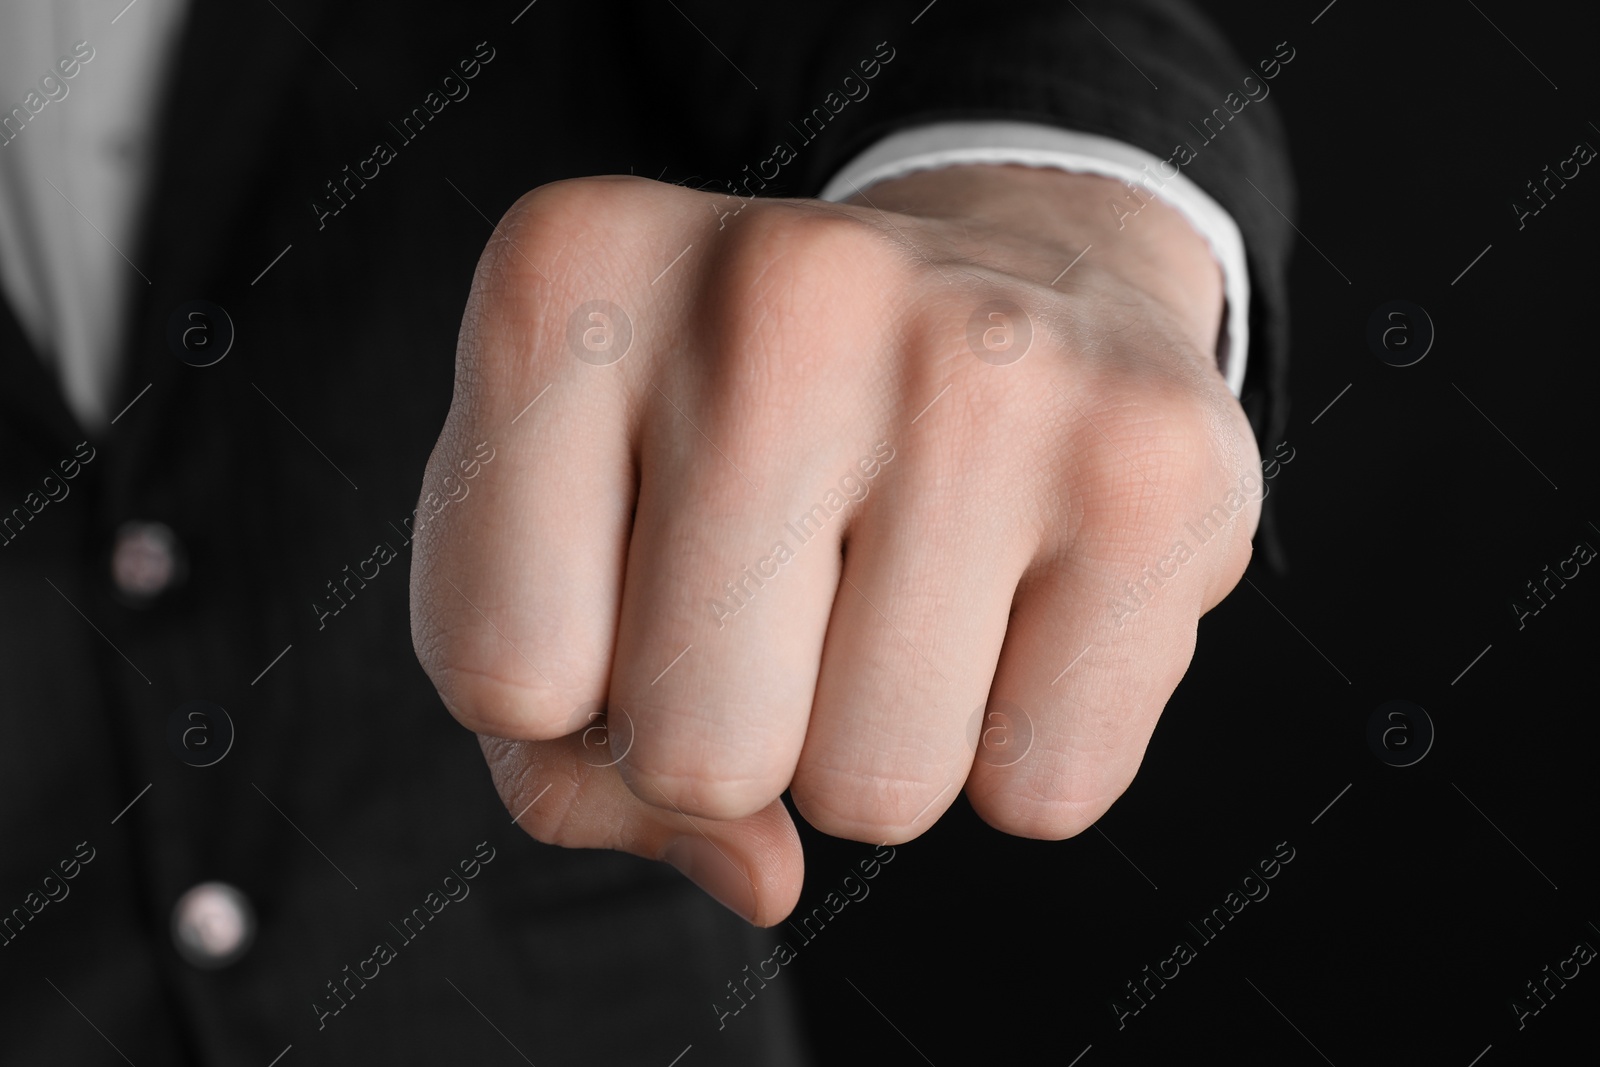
698, 860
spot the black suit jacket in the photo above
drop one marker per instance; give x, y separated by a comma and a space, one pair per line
348, 793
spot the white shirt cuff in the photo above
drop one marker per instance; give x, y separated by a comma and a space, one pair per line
943, 144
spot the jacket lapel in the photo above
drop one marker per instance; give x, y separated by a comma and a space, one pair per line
236, 72
31, 403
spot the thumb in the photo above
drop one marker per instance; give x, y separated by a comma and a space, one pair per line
561, 793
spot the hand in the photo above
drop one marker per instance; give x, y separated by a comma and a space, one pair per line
675, 384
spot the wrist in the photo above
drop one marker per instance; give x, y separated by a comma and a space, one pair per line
1038, 220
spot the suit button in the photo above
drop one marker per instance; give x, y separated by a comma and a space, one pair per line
146, 561
213, 925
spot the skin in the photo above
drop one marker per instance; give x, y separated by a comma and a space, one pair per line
977, 570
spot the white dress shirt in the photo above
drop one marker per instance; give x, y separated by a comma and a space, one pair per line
73, 177
75, 167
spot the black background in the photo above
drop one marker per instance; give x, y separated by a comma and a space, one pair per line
1407, 923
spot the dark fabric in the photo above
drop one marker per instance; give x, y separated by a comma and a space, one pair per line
574, 956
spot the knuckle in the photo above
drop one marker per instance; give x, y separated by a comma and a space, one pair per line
875, 809
798, 291
503, 667
683, 757
562, 209
702, 794
804, 240
1069, 781
532, 229
494, 695
527, 270
1155, 423
1050, 808
1144, 458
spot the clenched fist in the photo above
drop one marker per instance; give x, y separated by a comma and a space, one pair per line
869, 501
